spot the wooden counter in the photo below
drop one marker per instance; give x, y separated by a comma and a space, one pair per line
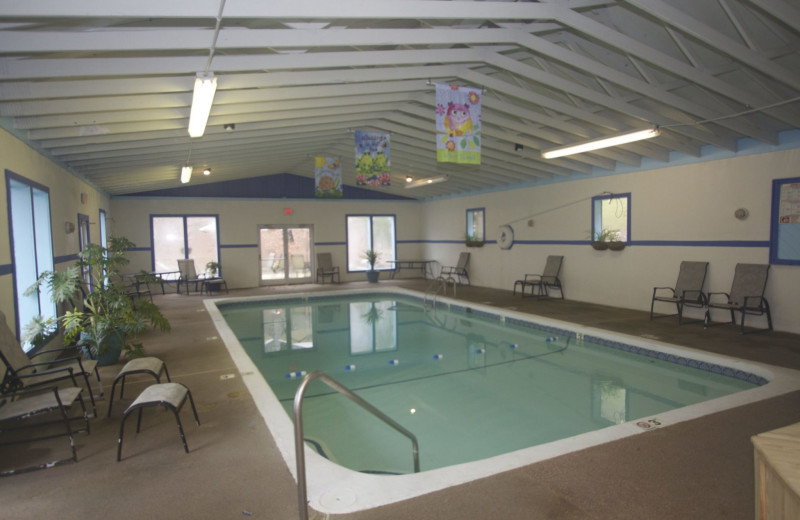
777, 472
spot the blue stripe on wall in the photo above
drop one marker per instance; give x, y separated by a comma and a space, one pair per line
65, 258
6, 269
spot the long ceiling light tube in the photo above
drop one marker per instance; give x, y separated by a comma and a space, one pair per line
605, 142
424, 182
186, 174
205, 86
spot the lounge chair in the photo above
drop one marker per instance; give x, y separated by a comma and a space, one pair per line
188, 275
541, 284
27, 406
688, 290
326, 269
746, 296
22, 373
459, 270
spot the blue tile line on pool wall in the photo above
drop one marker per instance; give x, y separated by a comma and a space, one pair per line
642, 351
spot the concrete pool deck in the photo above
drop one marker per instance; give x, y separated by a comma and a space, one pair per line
701, 468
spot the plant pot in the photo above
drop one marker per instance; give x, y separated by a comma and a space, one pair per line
474, 244
616, 246
108, 353
600, 246
372, 276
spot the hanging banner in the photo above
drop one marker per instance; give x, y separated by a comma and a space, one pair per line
373, 159
458, 124
328, 175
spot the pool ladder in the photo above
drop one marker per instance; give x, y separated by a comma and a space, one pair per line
299, 443
438, 285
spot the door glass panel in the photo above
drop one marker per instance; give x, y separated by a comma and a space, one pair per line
285, 254
167, 243
272, 254
202, 238
297, 242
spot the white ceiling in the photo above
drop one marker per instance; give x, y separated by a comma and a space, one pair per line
105, 86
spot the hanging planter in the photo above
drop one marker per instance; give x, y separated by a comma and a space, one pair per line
616, 246
600, 246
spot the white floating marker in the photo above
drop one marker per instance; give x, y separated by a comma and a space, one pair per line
394, 362
438, 356
350, 368
513, 345
480, 351
295, 374
551, 339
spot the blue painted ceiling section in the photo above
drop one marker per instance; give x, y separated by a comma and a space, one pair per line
281, 186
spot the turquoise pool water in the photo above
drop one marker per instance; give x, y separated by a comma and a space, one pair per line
470, 385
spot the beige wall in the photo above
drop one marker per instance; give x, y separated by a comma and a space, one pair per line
65, 204
692, 203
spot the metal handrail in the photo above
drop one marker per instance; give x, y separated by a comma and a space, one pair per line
299, 442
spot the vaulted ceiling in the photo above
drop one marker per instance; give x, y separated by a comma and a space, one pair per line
105, 86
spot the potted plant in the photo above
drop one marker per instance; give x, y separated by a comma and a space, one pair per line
372, 256
473, 241
601, 239
110, 318
212, 269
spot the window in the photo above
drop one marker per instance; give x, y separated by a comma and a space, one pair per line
375, 232
103, 238
475, 224
102, 224
611, 217
83, 240
181, 237
32, 247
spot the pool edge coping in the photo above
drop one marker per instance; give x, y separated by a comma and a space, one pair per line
334, 489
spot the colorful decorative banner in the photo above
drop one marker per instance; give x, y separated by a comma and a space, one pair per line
373, 160
328, 174
458, 124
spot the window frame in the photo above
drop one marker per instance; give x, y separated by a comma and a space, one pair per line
470, 224
46, 307
597, 214
184, 217
371, 239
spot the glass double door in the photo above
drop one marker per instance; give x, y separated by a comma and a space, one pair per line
285, 254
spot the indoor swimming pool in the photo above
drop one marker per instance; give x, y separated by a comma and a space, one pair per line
484, 390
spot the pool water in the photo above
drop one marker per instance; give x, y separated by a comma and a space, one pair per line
470, 385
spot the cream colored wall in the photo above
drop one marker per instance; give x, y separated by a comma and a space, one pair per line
688, 203
239, 221
65, 204
692, 203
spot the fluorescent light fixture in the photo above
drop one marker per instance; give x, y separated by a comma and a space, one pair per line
205, 85
186, 174
424, 182
604, 142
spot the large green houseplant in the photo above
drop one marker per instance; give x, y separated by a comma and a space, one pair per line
109, 316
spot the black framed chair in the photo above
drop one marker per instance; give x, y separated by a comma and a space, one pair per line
459, 270
23, 373
746, 295
188, 275
688, 290
541, 284
23, 411
326, 269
